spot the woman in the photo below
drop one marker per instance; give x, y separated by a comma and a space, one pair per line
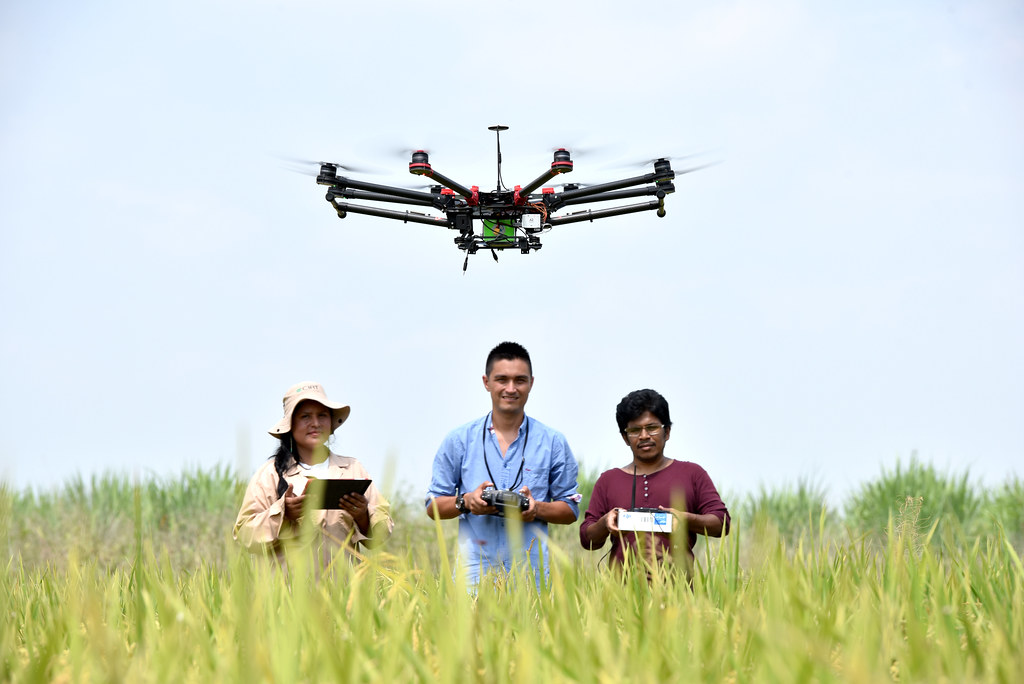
273, 507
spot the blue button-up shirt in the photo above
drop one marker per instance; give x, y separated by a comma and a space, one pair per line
548, 469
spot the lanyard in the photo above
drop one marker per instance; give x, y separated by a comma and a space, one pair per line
526, 438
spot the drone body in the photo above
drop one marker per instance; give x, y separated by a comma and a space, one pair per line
511, 219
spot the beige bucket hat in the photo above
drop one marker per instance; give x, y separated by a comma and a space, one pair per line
312, 391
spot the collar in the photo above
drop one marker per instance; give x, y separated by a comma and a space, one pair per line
489, 422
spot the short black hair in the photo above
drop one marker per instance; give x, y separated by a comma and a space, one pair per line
638, 402
507, 351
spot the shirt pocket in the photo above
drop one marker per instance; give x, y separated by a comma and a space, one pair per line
537, 479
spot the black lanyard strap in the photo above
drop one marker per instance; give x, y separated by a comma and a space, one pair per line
526, 439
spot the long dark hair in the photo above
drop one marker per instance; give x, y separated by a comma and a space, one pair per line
283, 459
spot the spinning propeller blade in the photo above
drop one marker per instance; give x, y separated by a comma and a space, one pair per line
579, 145
649, 161
588, 151
573, 185
310, 167
404, 153
680, 172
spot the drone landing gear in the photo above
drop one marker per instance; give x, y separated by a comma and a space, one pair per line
472, 243
465, 262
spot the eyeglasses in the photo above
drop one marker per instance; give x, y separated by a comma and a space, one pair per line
653, 430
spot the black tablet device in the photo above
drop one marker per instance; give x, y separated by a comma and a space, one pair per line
326, 493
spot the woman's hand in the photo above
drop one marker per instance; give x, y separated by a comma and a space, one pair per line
358, 506
293, 504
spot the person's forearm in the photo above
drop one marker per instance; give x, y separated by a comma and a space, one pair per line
707, 524
445, 508
555, 512
597, 533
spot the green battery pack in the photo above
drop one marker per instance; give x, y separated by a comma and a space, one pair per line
499, 231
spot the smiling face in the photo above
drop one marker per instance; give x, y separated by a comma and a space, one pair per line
509, 385
646, 448
311, 426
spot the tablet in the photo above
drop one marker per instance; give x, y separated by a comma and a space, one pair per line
327, 493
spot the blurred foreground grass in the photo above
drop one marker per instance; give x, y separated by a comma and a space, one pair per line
907, 608
917, 579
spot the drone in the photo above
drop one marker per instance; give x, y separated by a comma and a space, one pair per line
509, 219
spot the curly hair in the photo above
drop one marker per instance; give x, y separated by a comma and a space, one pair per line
638, 402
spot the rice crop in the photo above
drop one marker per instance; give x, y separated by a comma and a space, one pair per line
914, 601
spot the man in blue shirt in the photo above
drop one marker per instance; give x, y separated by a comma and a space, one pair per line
504, 450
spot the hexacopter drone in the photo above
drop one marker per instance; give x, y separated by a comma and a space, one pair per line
511, 219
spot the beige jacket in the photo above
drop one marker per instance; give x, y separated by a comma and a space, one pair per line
261, 523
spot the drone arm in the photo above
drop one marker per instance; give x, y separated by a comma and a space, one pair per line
539, 181
405, 216
616, 185
561, 163
348, 193
445, 181
592, 214
614, 195
415, 196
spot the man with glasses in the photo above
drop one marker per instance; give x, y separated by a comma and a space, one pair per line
502, 466
652, 481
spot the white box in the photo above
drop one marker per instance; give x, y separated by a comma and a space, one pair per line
645, 521
531, 221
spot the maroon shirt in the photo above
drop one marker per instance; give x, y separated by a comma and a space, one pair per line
681, 483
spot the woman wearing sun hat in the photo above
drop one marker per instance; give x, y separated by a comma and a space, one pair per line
273, 506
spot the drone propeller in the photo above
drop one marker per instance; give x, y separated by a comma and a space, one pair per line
586, 151
310, 167
573, 185
680, 172
579, 144
634, 163
404, 153
401, 150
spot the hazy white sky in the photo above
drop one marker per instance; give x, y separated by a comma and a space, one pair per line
843, 289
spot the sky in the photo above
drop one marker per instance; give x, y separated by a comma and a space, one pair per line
838, 292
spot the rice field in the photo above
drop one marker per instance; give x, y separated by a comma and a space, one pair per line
115, 581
